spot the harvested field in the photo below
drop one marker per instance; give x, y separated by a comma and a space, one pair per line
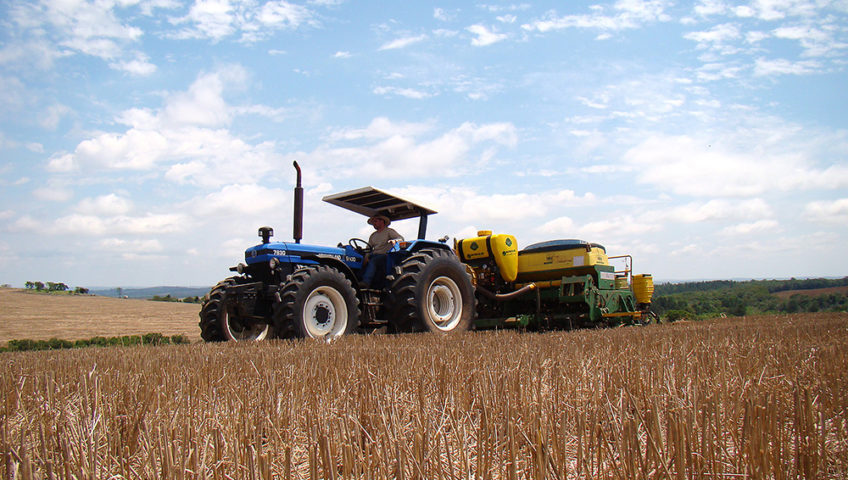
813, 292
42, 316
757, 397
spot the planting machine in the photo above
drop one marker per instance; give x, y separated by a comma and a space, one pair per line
290, 289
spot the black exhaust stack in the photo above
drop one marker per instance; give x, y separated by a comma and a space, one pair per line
298, 207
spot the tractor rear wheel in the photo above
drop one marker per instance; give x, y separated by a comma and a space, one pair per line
216, 324
432, 293
319, 302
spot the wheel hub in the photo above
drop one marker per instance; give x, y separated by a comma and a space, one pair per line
444, 303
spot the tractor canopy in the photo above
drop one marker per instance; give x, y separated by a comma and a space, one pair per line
370, 201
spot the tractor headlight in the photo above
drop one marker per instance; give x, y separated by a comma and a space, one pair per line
273, 264
240, 268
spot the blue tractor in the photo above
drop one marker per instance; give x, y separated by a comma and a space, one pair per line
290, 289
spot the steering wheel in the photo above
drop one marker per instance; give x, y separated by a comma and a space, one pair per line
361, 246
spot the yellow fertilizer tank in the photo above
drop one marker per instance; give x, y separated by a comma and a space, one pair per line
551, 260
643, 288
503, 248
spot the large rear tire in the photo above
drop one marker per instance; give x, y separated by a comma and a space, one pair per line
216, 324
319, 302
433, 293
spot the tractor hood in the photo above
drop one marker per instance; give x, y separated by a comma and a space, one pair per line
289, 252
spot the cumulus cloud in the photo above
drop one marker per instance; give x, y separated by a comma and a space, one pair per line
780, 66
483, 36
461, 203
144, 246
110, 204
833, 212
238, 200
386, 150
218, 19
49, 30
624, 14
717, 210
94, 225
742, 229
53, 193
187, 137
752, 163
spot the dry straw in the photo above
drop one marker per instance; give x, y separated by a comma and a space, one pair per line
744, 398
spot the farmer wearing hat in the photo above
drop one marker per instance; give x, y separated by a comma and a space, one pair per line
381, 241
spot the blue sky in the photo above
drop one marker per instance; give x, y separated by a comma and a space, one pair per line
143, 142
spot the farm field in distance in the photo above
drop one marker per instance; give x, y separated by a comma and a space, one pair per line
751, 397
42, 316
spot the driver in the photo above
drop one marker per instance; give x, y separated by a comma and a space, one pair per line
380, 241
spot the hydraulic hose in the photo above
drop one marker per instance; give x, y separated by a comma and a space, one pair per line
500, 297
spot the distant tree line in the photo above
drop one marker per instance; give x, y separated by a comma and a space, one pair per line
53, 287
738, 298
169, 298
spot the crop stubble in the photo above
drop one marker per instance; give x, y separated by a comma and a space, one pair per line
758, 397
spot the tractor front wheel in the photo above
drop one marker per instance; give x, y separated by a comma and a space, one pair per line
319, 302
432, 293
216, 323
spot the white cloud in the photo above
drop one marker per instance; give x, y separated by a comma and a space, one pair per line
750, 228
218, 19
395, 150
765, 67
717, 210
402, 92
93, 225
558, 227
403, 42
139, 65
459, 203
105, 205
830, 212
748, 162
203, 104
187, 138
442, 15
342, 54
131, 246
483, 36
53, 193
625, 14
707, 8
239, 200
717, 38
770, 10
53, 115
48, 30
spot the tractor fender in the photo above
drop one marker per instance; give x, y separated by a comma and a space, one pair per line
334, 262
421, 244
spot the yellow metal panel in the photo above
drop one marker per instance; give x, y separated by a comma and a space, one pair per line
502, 248
550, 264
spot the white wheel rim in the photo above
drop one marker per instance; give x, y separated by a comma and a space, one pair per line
259, 331
444, 303
325, 313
